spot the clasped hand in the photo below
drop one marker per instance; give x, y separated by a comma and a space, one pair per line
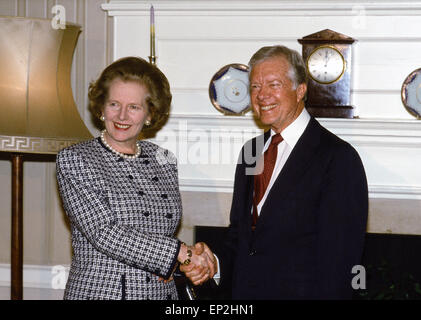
202, 265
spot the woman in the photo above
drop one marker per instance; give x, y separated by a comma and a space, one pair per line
121, 195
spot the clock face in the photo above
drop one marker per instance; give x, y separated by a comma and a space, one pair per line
326, 65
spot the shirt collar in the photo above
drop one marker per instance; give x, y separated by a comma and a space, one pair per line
293, 132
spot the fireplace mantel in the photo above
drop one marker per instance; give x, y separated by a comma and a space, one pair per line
194, 39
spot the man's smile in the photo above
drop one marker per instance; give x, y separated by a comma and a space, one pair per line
269, 107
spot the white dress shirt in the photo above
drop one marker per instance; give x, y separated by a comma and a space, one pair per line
290, 134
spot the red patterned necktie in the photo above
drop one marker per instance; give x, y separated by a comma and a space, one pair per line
261, 181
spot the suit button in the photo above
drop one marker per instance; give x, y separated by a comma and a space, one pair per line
141, 193
146, 213
168, 215
130, 177
252, 252
155, 179
164, 196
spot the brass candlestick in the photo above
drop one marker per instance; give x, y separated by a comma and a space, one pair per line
152, 59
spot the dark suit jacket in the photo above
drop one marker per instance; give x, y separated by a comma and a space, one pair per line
311, 228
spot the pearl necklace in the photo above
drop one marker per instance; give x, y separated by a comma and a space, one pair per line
125, 156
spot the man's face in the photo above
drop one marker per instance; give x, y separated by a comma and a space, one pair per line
273, 97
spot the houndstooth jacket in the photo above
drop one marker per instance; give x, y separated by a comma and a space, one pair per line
123, 215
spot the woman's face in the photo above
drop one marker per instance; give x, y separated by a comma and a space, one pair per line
125, 112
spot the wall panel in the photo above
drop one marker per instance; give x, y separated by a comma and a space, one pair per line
8, 7
46, 233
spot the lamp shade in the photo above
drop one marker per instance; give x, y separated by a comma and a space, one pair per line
37, 110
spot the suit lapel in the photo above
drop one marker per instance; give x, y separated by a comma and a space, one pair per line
295, 167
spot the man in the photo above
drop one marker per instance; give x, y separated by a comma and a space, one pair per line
297, 231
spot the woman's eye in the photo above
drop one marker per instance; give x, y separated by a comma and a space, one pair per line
134, 107
113, 104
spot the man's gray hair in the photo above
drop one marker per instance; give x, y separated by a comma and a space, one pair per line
297, 71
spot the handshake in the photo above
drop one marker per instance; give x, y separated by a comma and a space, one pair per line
197, 262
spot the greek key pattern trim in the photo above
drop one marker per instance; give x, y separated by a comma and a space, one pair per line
34, 144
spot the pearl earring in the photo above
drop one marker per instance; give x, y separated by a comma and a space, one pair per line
102, 118
147, 123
